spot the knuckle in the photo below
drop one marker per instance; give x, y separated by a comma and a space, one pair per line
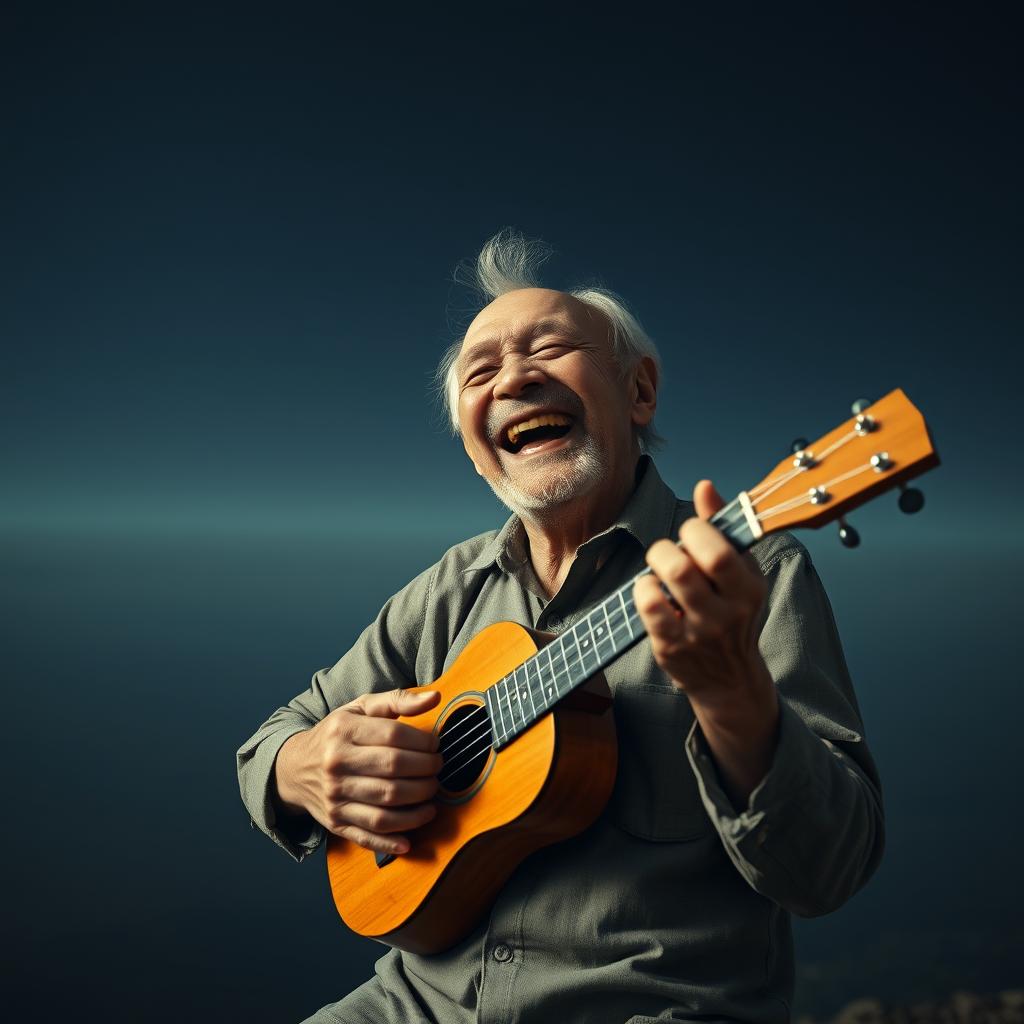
719, 562
377, 820
679, 571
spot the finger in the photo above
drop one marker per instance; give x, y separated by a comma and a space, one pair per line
366, 789
706, 499
717, 559
391, 762
664, 622
382, 820
687, 584
369, 731
392, 703
372, 841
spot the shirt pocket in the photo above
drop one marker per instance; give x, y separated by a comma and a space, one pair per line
655, 795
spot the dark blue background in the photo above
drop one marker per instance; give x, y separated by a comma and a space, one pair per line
225, 259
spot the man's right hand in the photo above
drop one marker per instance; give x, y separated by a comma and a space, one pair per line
361, 774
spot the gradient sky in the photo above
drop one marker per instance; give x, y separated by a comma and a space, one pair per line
227, 240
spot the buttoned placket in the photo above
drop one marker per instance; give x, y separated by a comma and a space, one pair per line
504, 949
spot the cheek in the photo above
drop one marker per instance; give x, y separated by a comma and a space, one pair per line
472, 420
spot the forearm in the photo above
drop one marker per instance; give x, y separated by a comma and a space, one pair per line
742, 735
811, 832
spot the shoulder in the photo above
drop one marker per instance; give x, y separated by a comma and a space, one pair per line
452, 570
776, 547
468, 553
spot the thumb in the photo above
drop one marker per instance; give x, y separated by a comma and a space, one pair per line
706, 499
393, 703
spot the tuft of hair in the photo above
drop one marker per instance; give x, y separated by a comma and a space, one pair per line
508, 262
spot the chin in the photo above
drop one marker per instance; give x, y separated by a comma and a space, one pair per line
557, 484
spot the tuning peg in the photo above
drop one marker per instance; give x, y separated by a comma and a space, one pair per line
911, 500
847, 534
860, 405
798, 445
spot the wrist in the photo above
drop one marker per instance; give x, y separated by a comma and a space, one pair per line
285, 792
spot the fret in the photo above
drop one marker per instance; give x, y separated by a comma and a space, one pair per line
489, 704
497, 701
517, 683
570, 674
529, 685
587, 646
521, 687
618, 620
556, 672
625, 614
508, 704
604, 636
608, 625
551, 692
565, 664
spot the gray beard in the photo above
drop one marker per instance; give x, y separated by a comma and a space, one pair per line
579, 474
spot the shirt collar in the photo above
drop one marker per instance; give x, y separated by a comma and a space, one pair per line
647, 516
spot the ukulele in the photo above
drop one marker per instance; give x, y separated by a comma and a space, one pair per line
525, 723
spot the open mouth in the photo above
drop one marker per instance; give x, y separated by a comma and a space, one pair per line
534, 433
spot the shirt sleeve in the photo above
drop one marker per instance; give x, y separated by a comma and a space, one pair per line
383, 658
812, 832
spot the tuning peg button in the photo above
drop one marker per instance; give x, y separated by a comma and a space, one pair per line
798, 445
911, 500
848, 535
860, 405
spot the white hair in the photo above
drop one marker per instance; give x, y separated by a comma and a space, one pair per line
508, 262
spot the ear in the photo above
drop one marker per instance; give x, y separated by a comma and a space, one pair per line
645, 391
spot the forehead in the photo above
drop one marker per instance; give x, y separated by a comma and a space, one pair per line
516, 314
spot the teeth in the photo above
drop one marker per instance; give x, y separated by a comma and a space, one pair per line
548, 420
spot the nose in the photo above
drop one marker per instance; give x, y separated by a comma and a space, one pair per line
517, 376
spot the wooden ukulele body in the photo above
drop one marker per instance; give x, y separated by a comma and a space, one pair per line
548, 784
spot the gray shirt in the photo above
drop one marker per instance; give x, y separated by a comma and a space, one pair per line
675, 903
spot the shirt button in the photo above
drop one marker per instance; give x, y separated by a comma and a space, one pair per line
502, 953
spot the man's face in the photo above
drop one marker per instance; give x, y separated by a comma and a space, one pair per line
537, 353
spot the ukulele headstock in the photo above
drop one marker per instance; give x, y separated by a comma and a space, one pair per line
880, 447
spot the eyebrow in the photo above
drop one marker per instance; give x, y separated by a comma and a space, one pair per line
547, 325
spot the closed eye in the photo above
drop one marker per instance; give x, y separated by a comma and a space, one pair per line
483, 371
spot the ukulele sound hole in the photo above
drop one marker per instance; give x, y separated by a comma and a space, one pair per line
465, 739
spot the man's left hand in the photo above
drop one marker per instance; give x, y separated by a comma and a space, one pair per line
706, 641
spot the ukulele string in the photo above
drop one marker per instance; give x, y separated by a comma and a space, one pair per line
762, 490
803, 499
462, 734
481, 743
468, 727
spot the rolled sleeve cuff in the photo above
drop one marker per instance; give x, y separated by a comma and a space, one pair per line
299, 836
776, 797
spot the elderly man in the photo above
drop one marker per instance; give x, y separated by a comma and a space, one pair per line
745, 790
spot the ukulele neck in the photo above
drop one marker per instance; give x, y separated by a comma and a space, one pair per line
518, 700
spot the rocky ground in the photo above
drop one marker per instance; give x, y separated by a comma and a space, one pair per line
960, 1008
